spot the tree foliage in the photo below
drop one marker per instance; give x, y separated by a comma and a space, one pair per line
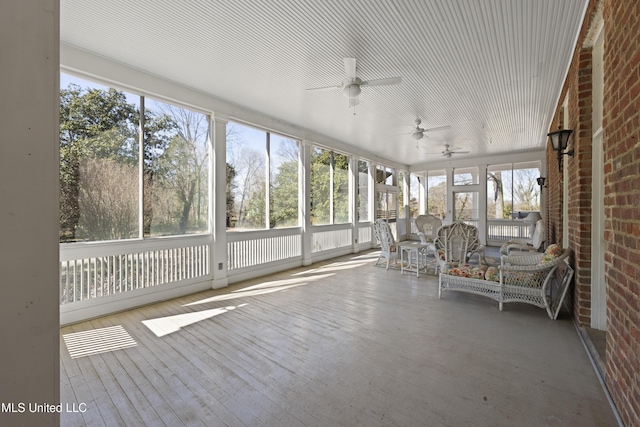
99, 128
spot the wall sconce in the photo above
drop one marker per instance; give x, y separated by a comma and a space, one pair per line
559, 141
541, 181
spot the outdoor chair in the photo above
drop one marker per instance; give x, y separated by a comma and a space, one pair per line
532, 244
388, 248
428, 226
456, 242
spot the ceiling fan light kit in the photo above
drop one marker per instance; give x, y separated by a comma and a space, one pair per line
418, 132
352, 85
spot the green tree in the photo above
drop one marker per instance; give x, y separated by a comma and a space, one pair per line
97, 124
498, 192
179, 167
284, 196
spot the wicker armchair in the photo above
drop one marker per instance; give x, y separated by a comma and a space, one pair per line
428, 226
456, 242
388, 248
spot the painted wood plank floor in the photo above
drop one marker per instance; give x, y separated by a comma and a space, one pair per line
342, 343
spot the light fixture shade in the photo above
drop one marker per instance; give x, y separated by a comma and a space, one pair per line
560, 139
351, 91
533, 217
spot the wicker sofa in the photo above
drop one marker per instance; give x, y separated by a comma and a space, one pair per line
519, 278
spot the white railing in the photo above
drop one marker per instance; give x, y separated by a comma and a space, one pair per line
327, 237
94, 270
252, 248
365, 234
498, 230
505, 229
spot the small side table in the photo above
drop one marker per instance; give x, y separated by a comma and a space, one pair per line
415, 252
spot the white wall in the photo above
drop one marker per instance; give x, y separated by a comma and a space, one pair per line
29, 307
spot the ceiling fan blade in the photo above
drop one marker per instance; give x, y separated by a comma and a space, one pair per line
323, 88
350, 67
438, 128
383, 82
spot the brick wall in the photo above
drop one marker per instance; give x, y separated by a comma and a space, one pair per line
577, 90
622, 203
621, 145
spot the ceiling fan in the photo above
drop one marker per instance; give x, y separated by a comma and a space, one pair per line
418, 132
448, 152
352, 84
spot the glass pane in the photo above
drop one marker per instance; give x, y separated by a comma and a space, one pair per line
414, 195
320, 186
340, 188
437, 194
386, 206
381, 174
499, 198
246, 177
284, 182
465, 176
466, 207
391, 177
363, 191
99, 173
176, 171
526, 191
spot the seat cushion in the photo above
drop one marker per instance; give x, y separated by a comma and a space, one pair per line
464, 270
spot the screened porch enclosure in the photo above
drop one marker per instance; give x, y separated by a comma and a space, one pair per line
161, 199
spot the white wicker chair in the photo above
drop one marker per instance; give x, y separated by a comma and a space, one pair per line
428, 226
526, 245
456, 242
388, 248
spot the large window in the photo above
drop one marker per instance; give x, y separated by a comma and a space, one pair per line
283, 189
466, 207
512, 190
254, 158
437, 194
465, 176
104, 174
329, 187
176, 170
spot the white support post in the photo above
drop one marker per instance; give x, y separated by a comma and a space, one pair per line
353, 202
422, 193
372, 200
267, 171
482, 204
29, 185
218, 201
406, 190
304, 172
450, 196
141, 198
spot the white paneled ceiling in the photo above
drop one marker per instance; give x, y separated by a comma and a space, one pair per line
490, 69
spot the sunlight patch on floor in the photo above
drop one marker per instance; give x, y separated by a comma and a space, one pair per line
169, 324
96, 341
261, 289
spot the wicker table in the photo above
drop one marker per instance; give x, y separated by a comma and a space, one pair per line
416, 253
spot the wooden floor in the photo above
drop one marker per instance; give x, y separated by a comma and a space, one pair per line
342, 343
